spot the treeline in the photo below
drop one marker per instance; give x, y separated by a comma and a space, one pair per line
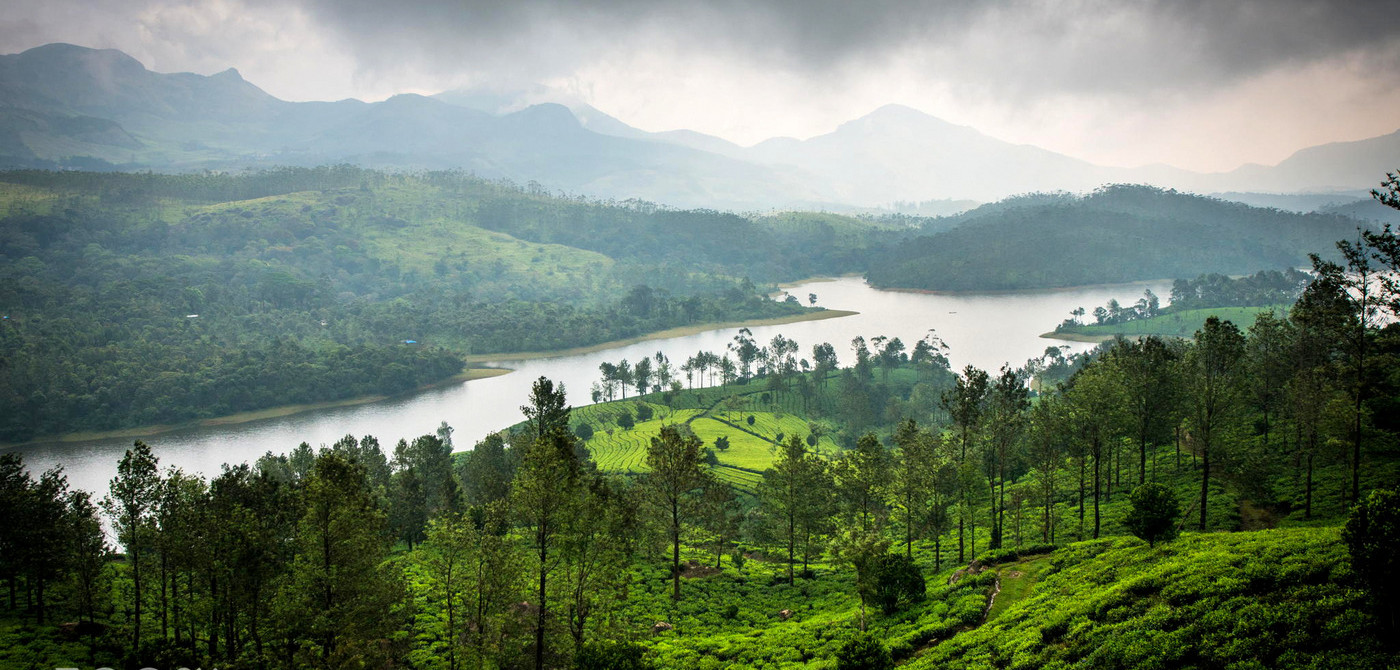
1261, 289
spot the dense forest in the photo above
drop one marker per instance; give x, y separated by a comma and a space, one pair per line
140, 299
1219, 501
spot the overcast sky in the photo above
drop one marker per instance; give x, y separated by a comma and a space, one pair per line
1205, 85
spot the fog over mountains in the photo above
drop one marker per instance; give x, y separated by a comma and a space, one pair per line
68, 106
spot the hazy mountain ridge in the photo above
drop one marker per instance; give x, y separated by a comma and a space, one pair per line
66, 105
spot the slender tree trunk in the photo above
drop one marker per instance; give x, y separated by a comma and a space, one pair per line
1082, 464
1307, 496
675, 551
1098, 451
1205, 476
540, 613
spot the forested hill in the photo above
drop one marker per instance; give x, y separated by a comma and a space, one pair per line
1118, 233
134, 299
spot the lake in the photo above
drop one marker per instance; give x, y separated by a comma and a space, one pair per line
985, 330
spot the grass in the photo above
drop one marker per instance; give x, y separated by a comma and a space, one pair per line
1177, 324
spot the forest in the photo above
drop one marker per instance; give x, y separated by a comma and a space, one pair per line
142, 299
1225, 500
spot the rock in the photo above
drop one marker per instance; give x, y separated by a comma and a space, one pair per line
785, 615
661, 627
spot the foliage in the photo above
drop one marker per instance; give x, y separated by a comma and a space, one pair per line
1154, 513
1372, 536
863, 651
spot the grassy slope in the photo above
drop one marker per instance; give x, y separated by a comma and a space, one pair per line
1178, 324
1266, 599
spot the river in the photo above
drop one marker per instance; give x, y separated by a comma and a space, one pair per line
985, 330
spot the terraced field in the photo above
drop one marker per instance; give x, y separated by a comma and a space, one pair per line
751, 446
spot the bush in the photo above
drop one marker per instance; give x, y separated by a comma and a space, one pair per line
613, 656
895, 582
584, 431
864, 651
1153, 514
644, 412
1372, 536
722, 442
625, 420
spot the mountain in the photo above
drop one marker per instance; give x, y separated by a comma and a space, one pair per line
70, 106
1113, 235
1338, 166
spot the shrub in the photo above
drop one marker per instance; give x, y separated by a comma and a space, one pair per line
895, 582
722, 442
625, 420
613, 656
584, 431
644, 412
1153, 514
864, 651
1372, 536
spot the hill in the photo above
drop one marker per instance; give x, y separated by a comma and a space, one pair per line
1116, 234
138, 299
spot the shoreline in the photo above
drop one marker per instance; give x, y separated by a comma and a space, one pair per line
1008, 291
278, 411
680, 331
1077, 337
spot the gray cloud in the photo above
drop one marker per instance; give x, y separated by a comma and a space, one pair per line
1012, 46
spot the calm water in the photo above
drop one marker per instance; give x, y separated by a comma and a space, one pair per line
982, 330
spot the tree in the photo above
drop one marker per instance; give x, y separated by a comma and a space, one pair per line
720, 513
642, 375
1153, 514
1372, 536
1150, 384
965, 403
913, 477
131, 504
793, 495
675, 478
341, 593
1008, 400
1211, 376
544, 493
447, 558
862, 476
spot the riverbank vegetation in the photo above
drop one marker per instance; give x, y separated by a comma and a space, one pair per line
1240, 300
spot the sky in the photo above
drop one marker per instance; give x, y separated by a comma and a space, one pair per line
1200, 84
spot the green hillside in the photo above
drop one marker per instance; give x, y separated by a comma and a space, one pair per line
1116, 234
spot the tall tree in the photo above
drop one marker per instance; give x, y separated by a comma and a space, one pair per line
1212, 366
134, 495
544, 494
862, 479
965, 403
341, 594
915, 463
675, 479
1008, 400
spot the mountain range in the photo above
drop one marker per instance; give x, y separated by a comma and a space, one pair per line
68, 106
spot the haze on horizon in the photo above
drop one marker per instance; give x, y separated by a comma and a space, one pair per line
1198, 85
